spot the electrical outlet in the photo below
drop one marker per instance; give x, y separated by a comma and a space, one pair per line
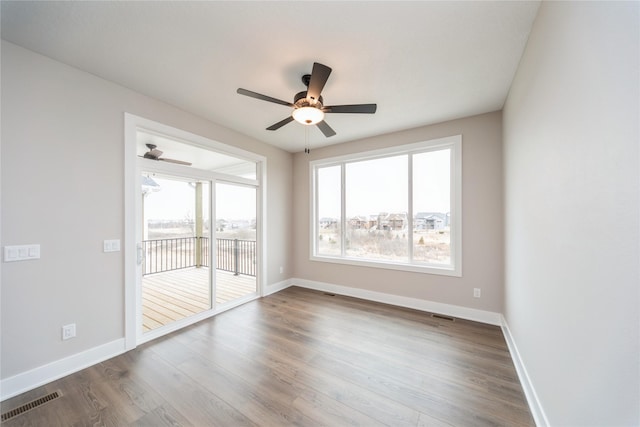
281, 269
68, 331
476, 292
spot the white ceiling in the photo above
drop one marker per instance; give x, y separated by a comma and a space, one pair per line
199, 158
421, 62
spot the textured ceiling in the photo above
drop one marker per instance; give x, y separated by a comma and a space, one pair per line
421, 62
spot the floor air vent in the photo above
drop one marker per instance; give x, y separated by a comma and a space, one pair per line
31, 405
443, 317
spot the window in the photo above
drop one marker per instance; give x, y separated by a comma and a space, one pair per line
395, 208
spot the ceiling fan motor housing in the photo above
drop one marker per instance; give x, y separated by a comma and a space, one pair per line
301, 100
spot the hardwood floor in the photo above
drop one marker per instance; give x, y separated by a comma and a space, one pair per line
298, 357
174, 295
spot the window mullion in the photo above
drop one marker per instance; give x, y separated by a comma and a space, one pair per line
343, 211
410, 206
316, 212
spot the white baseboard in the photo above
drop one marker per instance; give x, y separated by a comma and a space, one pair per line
276, 287
36, 377
25, 381
535, 406
482, 316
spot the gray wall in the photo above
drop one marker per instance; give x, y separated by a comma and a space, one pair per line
572, 212
482, 237
569, 221
63, 187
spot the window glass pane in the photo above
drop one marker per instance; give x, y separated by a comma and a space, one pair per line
329, 211
432, 207
376, 209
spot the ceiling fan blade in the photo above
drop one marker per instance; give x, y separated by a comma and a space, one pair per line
179, 162
357, 108
326, 129
281, 123
319, 76
263, 97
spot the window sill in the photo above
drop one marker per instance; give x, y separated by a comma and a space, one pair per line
414, 268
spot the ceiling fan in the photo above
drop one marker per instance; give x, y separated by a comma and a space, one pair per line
308, 106
154, 154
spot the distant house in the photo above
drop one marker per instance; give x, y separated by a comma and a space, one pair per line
328, 222
359, 222
392, 221
240, 224
430, 221
221, 225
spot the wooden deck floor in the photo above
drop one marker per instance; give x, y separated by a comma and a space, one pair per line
174, 295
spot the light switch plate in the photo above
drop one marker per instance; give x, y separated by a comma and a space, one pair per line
21, 252
111, 245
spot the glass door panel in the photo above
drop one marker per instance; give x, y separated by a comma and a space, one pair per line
175, 272
236, 245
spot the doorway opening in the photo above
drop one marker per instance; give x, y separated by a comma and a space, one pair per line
197, 230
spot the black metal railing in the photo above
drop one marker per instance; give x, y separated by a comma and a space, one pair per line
237, 256
173, 254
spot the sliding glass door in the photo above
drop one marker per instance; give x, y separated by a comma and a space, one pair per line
194, 262
195, 229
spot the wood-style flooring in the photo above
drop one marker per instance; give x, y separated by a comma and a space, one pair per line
174, 295
298, 357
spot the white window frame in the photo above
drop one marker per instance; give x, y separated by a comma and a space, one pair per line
454, 143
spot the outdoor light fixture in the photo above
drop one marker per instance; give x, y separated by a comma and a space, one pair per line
308, 115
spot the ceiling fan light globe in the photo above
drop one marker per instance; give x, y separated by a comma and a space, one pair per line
308, 115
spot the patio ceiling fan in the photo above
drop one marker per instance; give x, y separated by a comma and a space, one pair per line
308, 106
154, 154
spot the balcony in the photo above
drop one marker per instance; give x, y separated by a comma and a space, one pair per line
175, 282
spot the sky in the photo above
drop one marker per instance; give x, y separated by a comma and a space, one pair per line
381, 185
176, 200
372, 186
